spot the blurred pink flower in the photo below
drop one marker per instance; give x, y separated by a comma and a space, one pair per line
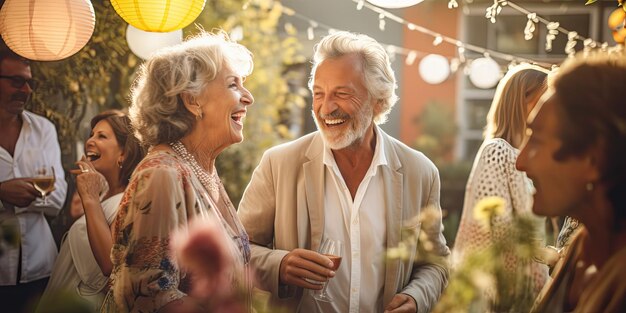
201, 250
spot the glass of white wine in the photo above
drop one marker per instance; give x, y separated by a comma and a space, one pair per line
332, 249
43, 181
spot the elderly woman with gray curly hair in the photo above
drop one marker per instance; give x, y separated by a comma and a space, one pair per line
188, 105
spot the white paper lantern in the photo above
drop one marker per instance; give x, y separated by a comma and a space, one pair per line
46, 30
434, 69
394, 4
484, 73
143, 44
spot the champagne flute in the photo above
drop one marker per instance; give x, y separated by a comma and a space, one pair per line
333, 249
43, 181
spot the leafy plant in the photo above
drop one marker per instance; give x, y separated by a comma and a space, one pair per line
99, 76
619, 3
482, 282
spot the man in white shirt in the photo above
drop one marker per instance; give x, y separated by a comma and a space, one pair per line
26, 140
348, 181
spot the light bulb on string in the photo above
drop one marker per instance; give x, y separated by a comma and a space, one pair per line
310, 31
360, 4
494, 10
394, 4
553, 30
461, 52
391, 52
438, 40
455, 63
410, 58
381, 21
452, 4
530, 26
571, 44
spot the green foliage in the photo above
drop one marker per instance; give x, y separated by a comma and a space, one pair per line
438, 133
265, 125
99, 76
437, 141
481, 282
94, 79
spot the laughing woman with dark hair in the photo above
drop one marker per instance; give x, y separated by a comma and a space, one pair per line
575, 157
83, 265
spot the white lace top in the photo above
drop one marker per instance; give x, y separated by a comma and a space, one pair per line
494, 174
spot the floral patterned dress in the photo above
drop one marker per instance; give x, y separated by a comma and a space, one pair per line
163, 195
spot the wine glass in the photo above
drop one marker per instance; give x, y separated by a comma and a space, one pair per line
332, 249
43, 180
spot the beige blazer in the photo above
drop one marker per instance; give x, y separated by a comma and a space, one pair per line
282, 209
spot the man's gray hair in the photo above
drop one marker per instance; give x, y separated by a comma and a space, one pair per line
379, 78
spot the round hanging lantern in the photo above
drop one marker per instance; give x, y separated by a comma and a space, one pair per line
484, 73
617, 24
158, 16
46, 30
143, 43
394, 4
434, 69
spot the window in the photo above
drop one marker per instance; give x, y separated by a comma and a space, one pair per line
507, 35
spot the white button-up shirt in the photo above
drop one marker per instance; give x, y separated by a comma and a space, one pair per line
361, 226
37, 141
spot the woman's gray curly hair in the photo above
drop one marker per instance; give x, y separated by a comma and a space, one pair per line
378, 75
157, 112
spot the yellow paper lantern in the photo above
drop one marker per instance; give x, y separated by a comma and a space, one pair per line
46, 30
158, 15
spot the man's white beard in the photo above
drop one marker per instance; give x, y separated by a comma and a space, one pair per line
337, 139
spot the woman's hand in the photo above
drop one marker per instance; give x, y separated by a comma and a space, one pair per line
90, 184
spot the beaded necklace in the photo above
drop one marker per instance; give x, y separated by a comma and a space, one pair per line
210, 181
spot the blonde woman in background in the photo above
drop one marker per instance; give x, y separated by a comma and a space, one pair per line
494, 175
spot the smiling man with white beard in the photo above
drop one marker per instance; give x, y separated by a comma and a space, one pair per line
351, 182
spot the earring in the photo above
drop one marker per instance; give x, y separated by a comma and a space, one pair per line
589, 186
199, 116
119, 163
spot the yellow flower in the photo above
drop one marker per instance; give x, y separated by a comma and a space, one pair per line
487, 208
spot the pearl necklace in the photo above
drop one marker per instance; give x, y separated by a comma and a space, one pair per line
210, 181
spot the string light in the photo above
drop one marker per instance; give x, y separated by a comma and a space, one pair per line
452, 4
461, 52
359, 5
438, 40
604, 47
450, 40
571, 44
410, 58
310, 32
554, 28
552, 32
530, 26
381, 21
494, 10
